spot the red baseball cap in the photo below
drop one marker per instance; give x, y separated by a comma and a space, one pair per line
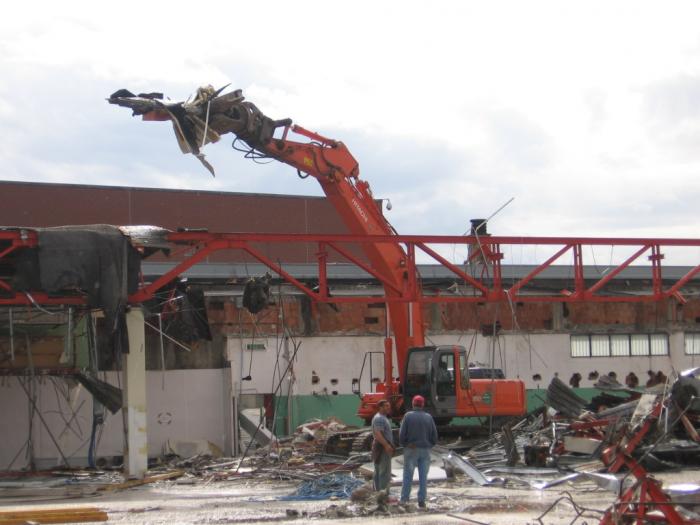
418, 401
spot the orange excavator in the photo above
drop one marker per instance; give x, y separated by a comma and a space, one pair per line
438, 373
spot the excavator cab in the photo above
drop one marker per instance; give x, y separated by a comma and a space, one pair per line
433, 372
441, 375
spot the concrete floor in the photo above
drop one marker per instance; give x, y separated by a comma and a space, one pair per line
255, 502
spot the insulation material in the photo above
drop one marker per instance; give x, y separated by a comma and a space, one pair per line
189, 448
96, 260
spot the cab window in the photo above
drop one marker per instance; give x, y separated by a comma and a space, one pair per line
418, 372
445, 375
463, 371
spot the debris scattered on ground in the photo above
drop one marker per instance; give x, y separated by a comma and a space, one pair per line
326, 487
316, 432
608, 446
573, 441
148, 479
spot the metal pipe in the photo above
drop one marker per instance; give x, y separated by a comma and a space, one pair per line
178, 343
492, 215
93, 338
12, 337
388, 356
162, 351
287, 357
68, 339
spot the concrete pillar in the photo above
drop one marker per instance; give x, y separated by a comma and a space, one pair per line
557, 316
230, 418
136, 453
232, 392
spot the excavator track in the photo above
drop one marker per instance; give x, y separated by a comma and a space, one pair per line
352, 442
349, 442
362, 442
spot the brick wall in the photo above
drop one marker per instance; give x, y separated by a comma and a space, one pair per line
305, 317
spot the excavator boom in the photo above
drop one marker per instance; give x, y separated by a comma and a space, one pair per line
210, 114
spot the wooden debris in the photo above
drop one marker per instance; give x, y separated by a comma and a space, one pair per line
690, 429
59, 515
39, 493
148, 479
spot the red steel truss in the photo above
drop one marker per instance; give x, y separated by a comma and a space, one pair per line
488, 287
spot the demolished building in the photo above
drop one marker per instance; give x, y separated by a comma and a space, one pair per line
193, 382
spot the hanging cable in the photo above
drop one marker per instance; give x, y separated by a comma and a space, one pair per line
251, 153
276, 370
43, 421
38, 307
276, 390
98, 412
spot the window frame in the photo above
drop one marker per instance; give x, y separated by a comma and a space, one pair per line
696, 343
652, 341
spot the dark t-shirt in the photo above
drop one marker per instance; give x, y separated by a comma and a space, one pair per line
382, 423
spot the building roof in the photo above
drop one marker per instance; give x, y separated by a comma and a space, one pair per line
37, 205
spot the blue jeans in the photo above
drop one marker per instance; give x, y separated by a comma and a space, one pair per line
412, 458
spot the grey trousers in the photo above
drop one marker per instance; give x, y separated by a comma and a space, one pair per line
382, 472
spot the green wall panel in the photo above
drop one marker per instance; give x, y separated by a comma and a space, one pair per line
344, 407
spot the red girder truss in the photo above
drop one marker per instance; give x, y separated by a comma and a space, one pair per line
487, 288
644, 501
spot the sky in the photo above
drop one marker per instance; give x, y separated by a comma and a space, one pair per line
586, 113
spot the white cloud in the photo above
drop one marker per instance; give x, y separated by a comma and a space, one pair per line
451, 109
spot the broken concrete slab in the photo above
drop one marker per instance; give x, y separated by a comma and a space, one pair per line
581, 445
465, 466
191, 448
255, 429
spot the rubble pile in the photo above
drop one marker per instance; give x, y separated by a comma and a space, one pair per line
315, 433
613, 442
301, 456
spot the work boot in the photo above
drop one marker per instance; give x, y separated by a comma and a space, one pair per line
421, 504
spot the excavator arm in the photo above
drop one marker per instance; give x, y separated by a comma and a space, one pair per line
210, 115
333, 166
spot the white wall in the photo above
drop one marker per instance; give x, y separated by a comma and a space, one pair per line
519, 355
193, 405
524, 355
331, 357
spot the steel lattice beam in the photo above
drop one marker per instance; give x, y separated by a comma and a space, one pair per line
486, 288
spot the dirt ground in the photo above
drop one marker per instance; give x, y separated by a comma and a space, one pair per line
257, 502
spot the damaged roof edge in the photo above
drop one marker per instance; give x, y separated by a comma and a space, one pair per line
427, 271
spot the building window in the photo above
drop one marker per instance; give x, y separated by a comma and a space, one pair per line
619, 345
692, 344
658, 344
600, 346
640, 344
623, 345
580, 346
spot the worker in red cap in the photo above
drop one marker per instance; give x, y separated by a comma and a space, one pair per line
417, 435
